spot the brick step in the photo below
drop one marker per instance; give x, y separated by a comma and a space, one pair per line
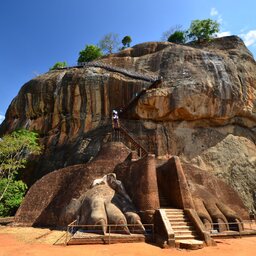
177, 219
182, 227
164, 202
163, 199
174, 211
185, 232
175, 215
180, 222
191, 244
167, 210
184, 236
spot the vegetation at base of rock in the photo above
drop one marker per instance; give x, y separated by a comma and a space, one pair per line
126, 41
109, 43
59, 65
90, 52
15, 148
203, 29
12, 197
178, 37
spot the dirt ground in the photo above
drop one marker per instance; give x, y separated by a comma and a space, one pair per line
37, 242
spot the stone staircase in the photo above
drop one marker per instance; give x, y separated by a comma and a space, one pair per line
185, 234
164, 202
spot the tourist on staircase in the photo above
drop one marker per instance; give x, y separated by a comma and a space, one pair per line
115, 125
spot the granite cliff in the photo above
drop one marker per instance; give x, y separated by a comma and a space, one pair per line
204, 110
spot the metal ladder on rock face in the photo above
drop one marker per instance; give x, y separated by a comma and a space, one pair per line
133, 144
133, 101
124, 136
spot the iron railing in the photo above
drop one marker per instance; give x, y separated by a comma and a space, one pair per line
123, 135
242, 228
73, 227
130, 73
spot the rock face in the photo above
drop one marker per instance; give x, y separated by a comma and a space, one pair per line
204, 111
233, 160
70, 109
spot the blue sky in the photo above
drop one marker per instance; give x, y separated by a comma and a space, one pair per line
35, 34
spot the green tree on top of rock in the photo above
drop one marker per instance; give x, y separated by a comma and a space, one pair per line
203, 29
90, 52
170, 31
58, 65
126, 41
178, 37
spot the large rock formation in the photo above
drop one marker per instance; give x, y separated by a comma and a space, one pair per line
204, 111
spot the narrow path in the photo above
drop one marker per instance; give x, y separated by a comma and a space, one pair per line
130, 73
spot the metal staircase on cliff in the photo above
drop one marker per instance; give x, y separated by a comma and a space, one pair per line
149, 77
135, 99
131, 73
124, 136
184, 231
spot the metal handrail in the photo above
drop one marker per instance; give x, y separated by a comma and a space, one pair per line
130, 73
133, 141
124, 136
250, 222
124, 71
115, 136
72, 227
231, 223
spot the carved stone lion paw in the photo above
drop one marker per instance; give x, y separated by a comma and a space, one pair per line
213, 213
107, 206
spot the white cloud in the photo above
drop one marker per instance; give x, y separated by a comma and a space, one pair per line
249, 38
220, 20
243, 30
2, 118
214, 12
224, 33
